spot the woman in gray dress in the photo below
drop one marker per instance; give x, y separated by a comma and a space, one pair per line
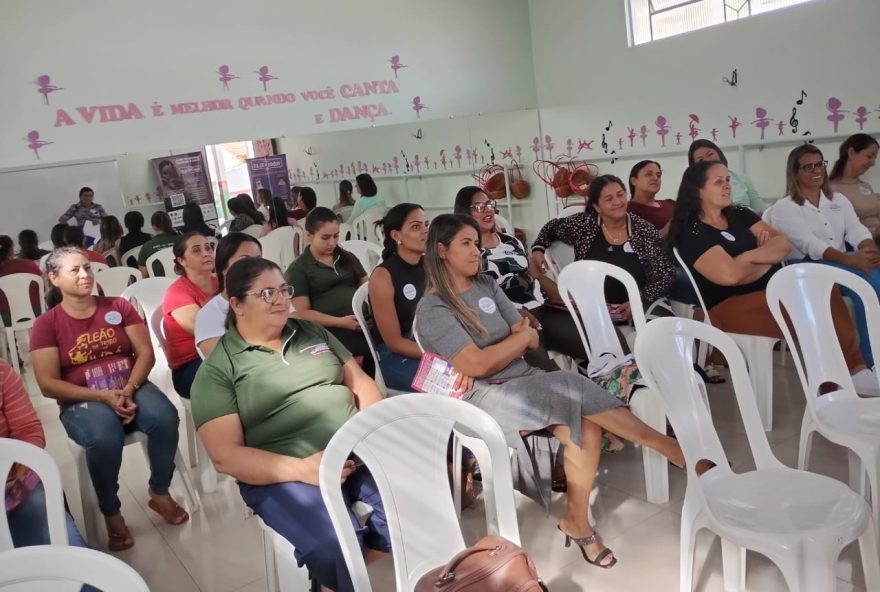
466, 319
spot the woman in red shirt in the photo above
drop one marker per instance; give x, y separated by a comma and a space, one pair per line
93, 355
644, 185
9, 265
194, 262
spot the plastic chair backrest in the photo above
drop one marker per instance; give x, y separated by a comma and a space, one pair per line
17, 289
365, 226
369, 254
165, 259
582, 287
131, 256
38, 460
278, 246
299, 240
110, 256
149, 293
357, 305
558, 255
571, 210
803, 290
503, 224
346, 232
693, 282
113, 281
255, 230
664, 353
392, 438
51, 563
46, 245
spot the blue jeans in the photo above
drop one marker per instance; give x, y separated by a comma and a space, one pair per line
398, 371
297, 512
183, 377
97, 428
861, 319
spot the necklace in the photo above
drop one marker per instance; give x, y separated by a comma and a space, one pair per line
617, 238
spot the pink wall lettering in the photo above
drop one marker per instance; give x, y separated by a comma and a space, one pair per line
365, 89
370, 112
201, 107
105, 113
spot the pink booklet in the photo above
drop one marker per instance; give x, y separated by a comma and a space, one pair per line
435, 375
108, 375
19, 489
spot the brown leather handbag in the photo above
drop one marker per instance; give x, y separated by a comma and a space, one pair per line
494, 564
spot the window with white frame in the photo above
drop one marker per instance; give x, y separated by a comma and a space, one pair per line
650, 20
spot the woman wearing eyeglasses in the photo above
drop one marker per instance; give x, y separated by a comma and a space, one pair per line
823, 226
505, 259
267, 401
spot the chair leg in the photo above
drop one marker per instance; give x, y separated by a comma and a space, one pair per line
805, 446
193, 495
734, 568
687, 545
269, 559
759, 357
191, 438
857, 474
13, 348
456, 474
868, 550
207, 472
646, 405
95, 530
811, 568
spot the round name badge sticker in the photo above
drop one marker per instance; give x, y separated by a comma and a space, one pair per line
728, 236
409, 292
487, 305
627, 247
113, 317
865, 190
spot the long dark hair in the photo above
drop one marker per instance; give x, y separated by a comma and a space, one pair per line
133, 221
240, 279
366, 185
162, 221
703, 143
595, 189
226, 249
57, 235
857, 142
264, 196
345, 189
688, 205
111, 229
194, 220
278, 213
394, 220
317, 218
242, 204
29, 243
7, 247
179, 249
443, 229
634, 172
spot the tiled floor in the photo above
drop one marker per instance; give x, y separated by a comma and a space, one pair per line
221, 551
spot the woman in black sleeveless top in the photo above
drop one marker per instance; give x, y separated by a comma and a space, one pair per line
396, 286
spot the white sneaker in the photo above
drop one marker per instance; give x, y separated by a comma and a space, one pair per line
865, 383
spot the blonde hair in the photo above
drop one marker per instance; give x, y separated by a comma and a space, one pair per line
442, 230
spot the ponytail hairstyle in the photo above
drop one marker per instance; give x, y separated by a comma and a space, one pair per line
162, 221
243, 204
29, 243
226, 249
442, 230
857, 142
345, 189
278, 213
394, 220
315, 220
240, 280
7, 247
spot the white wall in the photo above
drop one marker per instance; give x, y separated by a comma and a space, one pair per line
586, 76
461, 57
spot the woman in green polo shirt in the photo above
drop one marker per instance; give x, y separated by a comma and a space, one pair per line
267, 401
324, 279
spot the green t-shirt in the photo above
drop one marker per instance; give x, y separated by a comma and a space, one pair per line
289, 404
329, 289
153, 246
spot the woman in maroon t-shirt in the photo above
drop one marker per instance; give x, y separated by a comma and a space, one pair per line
644, 185
194, 262
9, 265
93, 355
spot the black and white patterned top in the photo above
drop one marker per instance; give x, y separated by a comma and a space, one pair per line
508, 265
580, 231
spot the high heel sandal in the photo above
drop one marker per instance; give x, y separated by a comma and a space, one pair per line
582, 543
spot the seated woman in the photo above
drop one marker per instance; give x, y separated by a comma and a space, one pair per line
194, 263
111, 232
211, 318
29, 245
135, 237
732, 254
606, 232
263, 201
644, 185
93, 355
244, 214
505, 260
742, 192
858, 153
343, 207
465, 318
821, 224
396, 286
368, 200
324, 279
194, 221
164, 237
10, 265
267, 401
277, 216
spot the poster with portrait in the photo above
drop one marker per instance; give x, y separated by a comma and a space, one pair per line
270, 172
183, 179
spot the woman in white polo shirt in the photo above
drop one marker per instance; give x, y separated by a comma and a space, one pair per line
823, 227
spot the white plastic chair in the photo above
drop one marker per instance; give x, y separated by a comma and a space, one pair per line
114, 280
357, 304
758, 351
255, 230
346, 231
369, 254
46, 245
799, 520
38, 460
165, 259
17, 289
282, 572
403, 441
365, 226
572, 209
50, 565
278, 246
804, 291
131, 254
582, 287
110, 256
148, 293
558, 255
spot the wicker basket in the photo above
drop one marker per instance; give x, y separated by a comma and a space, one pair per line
519, 187
490, 178
581, 177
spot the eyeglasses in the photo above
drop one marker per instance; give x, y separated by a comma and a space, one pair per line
485, 205
270, 295
815, 166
